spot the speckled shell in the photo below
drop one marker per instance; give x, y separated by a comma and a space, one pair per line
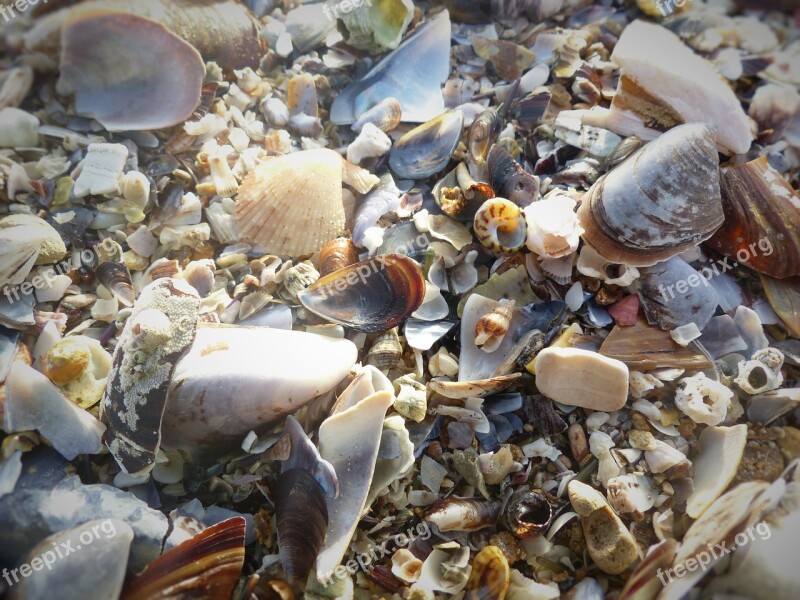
661, 201
492, 327
490, 575
500, 226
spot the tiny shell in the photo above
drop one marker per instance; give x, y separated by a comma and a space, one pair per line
370, 143
385, 115
500, 226
491, 327
406, 566
553, 228
463, 514
490, 575
528, 514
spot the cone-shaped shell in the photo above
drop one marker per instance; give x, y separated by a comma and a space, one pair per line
662, 200
292, 205
372, 295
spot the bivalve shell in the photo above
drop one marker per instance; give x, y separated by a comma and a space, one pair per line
426, 150
490, 575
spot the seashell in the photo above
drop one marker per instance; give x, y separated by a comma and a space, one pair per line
444, 228
715, 466
116, 278
762, 373
455, 275
611, 546
101, 170
224, 181
762, 212
643, 582
509, 179
591, 264
784, 298
18, 128
375, 27
79, 366
463, 514
135, 188
490, 575
349, 440
337, 254
528, 514
702, 399
553, 228
482, 136
386, 351
298, 278
386, 116
662, 200
370, 143
301, 95
492, 327
582, 378
426, 149
765, 408
664, 457
452, 200
413, 74
301, 517
406, 566
479, 388
510, 60
242, 390
673, 294
411, 401
634, 493
207, 565
500, 226
664, 84
107, 553
371, 296
134, 75
658, 10
26, 241
299, 193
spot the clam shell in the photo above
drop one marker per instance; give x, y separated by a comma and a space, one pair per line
490, 575
762, 220
373, 295
662, 200
426, 149
301, 517
715, 466
205, 566
292, 205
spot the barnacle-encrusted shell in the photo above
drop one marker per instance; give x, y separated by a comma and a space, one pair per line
292, 205
528, 514
134, 401
662, 200
553, 228
762, 373
492, 327
500, 226
702, 399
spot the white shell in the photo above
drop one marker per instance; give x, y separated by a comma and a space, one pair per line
553, 227
18, 129
370, 143
591, 264
702, 399
101, 170
762, 373
716, 465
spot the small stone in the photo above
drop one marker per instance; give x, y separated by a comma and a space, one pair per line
642, 440
788, 440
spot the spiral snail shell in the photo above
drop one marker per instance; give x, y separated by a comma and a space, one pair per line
500, 225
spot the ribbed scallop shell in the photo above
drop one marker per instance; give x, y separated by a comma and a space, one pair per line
292, 205
500, 226
661, 201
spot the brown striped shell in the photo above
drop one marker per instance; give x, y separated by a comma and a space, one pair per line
500, 226
492, 327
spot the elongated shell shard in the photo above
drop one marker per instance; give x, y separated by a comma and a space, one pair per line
160, 328
715, 466
662, 200
582, 378
664, 84
235, 379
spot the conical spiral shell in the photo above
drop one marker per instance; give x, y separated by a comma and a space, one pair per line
661, 201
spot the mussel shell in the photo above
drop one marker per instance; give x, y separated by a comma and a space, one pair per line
117, 279
372, 296
528, 514
662, 200
337, 254
483, 133
426, 149
405, 238
509, 179
301, 517
205, 566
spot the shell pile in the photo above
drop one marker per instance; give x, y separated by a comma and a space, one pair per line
399, 299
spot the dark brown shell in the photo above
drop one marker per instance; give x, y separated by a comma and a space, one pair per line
301, 516
117, 279
205, 567
509, 179
762, 220
373, 295
528, 514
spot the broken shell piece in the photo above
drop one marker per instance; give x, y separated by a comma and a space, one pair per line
463, 514
406, 566
664, 457
591, 264
411, 401
643, 347
25, 241
662, 200
685, 334
762, 373
79, 366
492, 327
702, 399
716, 465
664, 84
611, 546
385, 116
293, 204
553, 227
500, 226
101, 170
225, 182
370, 143
509, 179
378, 27
634, 493
582, 378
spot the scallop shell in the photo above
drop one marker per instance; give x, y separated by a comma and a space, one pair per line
292, 205
301, 517
373, 295
426, 149
662, 200
762, 220
501, 226
492, 327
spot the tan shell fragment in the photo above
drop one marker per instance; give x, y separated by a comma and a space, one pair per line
582, 378
716, 465
611, 546
293, 204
